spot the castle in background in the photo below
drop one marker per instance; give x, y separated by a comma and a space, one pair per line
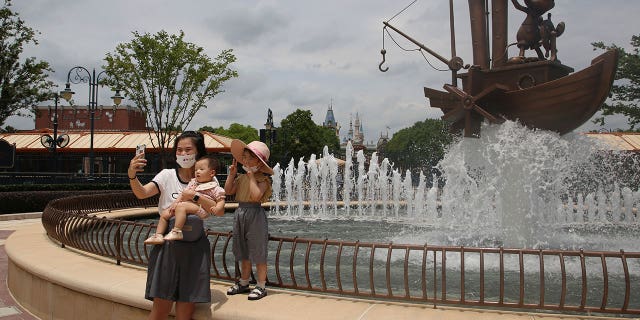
330, 120
355, 134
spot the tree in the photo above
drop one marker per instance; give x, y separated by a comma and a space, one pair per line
169, 79
208, 129
9, 129
625, 92
235, 131
22, 84
299, 137
420, 146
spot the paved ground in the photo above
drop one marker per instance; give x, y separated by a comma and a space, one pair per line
298, 305
9, 308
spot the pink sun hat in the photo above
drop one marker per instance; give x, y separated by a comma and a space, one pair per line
259, 149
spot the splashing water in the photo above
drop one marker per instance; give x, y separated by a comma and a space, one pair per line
512, 187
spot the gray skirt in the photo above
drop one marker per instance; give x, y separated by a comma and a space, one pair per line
179, 270
250, 233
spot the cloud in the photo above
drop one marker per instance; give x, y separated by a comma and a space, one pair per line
306, 54
252, 26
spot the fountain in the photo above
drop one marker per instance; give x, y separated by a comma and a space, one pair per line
513, 187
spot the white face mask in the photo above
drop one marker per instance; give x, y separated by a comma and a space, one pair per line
186, 161
250, 169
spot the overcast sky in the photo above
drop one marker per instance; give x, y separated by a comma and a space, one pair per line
305, 54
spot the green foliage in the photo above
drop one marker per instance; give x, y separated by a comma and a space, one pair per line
208, 129
36, 200
64, 187
625, 93
419, 146
299, 137
9, 129
235, 131
22, 84
169, 79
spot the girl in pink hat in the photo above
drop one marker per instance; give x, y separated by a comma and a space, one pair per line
250, 228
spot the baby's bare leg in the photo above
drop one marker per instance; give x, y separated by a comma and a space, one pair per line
181, 212
162, 225
160, 229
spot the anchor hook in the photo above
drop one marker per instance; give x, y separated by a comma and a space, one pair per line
383, 52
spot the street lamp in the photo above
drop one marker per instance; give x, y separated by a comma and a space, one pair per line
52, 143
94, 80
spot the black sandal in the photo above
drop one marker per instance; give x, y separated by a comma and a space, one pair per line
237, 288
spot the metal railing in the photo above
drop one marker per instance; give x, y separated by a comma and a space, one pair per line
579, 281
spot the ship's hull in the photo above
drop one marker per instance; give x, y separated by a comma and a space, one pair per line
538, 95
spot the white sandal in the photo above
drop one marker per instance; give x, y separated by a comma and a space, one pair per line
257, 293
175, 234
155, 239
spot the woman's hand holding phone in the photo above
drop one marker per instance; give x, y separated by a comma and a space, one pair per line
138, 162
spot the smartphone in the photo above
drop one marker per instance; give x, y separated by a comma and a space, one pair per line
140, 149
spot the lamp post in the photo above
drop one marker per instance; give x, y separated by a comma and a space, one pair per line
57, 141
94, 80
54, 145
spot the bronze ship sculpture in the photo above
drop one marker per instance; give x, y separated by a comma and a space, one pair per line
539, 92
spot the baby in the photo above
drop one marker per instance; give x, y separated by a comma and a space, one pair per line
206, 185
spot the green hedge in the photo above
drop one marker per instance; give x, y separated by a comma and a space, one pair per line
65, 187
36, 201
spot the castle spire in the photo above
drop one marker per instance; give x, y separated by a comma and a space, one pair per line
330, 120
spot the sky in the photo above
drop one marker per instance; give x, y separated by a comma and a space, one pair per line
308, 54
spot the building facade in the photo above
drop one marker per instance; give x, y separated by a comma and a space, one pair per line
78, 118
112, 152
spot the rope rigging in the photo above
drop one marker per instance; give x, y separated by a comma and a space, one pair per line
384, 51
401, 11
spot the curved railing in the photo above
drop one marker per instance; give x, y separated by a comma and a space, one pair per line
555, 280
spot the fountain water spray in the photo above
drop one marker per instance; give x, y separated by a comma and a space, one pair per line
512, 187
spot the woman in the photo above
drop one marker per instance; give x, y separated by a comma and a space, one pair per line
178, 270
